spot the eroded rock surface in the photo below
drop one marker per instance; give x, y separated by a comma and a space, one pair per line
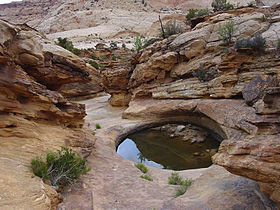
34, 117
116, 183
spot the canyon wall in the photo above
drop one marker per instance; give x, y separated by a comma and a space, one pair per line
35, 118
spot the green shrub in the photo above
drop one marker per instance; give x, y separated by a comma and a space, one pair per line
114, 58
123, 59
141, 167
191, 14
205, 75
202, 12
171, 29
61, 168
97, 126
196, 13
138, 44
257, 43
123, 45
76, 51
175, 179
68, 45
278, 44
183, 188
221, 5
103, 58
93, 56
94, 64
147, 177
226, 32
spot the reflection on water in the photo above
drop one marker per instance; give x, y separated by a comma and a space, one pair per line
157, 149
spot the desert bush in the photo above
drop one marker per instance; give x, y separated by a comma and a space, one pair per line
202, 12
102, 58
147, 177
196, 13
114, 58
93, 56
68, 45
175, 179
191, 14
141, 167
183, 188
76, 51
61, 168
97, 126
221, 5
226, 32
205, 75
138, 44
171, 29
257, 43
94, 64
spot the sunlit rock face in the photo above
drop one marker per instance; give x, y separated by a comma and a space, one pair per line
34, 116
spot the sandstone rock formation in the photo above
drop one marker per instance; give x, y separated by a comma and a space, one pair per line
174, 68
34, 116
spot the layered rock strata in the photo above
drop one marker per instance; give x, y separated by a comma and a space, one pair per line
214, 78
35, 117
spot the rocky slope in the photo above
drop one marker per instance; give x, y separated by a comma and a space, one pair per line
213, 78
35, 117
118, 16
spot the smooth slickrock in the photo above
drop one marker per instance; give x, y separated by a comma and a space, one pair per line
116, 183
217, 188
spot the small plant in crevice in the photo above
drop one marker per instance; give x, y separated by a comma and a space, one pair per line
147, 177
226, 32
192, 13
257, 43
141, 167
97, 126
221, 5
138, 44
278, 44
144, 170
94, 64
183, 188
205, 74
113, 58
175, 179
264, 18
60, 168
93, 56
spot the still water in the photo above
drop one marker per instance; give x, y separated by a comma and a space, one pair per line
155, 148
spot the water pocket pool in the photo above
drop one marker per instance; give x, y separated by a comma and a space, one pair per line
157, 149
